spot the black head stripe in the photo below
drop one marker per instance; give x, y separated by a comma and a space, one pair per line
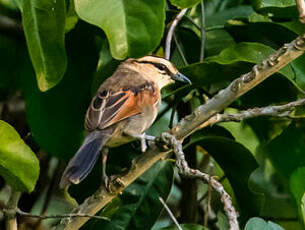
159, 66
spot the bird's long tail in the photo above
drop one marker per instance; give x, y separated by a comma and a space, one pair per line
85, 158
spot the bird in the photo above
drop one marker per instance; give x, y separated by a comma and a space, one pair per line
124, 107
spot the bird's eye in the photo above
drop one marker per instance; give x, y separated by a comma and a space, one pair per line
161, 66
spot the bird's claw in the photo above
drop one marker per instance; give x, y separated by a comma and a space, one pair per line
146, 140
112, 183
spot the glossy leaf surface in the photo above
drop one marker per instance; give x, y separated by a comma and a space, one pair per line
18, 164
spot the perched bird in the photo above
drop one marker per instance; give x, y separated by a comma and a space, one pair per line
124, 107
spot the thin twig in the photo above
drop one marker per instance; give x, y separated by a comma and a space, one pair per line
171, 33
274, 111
301, 9
186, 127
171, 215
202, 32
69, 215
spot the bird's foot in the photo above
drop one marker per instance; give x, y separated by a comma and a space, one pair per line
146, 140
113, 183
106, 182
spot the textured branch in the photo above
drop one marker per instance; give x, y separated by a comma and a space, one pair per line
240, 86
187, 126
301, 9
171, 31
185, 170
274, 111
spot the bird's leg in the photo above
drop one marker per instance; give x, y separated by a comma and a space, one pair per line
105, 178
143, 138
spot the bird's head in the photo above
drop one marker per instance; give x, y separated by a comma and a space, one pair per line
157, 69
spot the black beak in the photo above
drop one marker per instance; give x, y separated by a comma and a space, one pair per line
180, 77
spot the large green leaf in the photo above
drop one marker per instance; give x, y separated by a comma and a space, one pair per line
56, 117
278, 8
254, 29
71, 16
256, 223
44, 27
133, 27
297, 187
286, 151
184, 3
231, 63
18, 164
139, 205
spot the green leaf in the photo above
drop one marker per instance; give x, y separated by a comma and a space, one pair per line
231, 63
18, 164
139, 205
277, 203
286, 151
243, 134
133, 27
257, 223
10, 4
297, 187
56, 117
186, 227
71, 16
184, 3
218, 17
278, 8
44, 27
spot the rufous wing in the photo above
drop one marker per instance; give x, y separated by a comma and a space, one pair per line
108, 108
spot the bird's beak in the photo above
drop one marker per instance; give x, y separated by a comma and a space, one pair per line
180, 77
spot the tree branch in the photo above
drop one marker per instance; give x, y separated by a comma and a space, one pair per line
185, 170
239, 86
274, 111
69, 215
187, 126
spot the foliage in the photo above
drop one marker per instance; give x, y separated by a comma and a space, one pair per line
50, 70
16, 158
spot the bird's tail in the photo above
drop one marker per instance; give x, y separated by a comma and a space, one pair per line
85, 158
